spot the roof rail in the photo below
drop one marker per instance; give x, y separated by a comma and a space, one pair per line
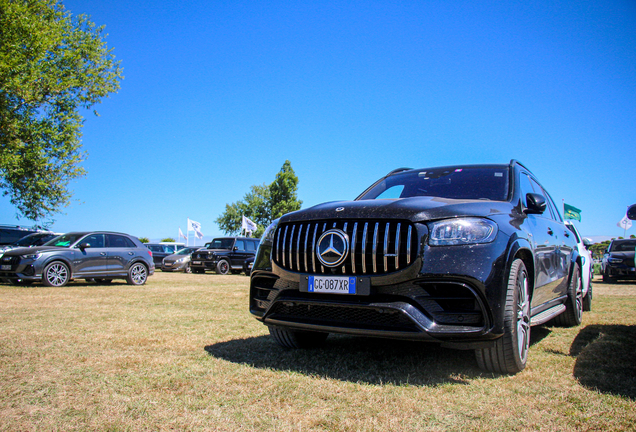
397, 170
516, 162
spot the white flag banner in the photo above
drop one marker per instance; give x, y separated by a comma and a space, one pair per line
248, 225
196, 227
181, 235
625, 223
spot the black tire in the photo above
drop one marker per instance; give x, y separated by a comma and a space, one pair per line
297, 338
137, 274
573, 313
223, 267
103, 281
56, 274
587, 300
607, 278
187, 269
510, 352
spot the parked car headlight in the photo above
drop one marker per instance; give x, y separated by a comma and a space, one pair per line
180, 260
31, 256
462, 231
615, 260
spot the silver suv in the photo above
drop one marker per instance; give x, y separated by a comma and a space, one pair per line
102, 256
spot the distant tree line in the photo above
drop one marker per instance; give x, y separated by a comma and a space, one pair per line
263, 203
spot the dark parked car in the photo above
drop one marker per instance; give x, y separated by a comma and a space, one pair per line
224, 255
12, 233
618, 260
467, 256
102, 256
247, 266
31, 240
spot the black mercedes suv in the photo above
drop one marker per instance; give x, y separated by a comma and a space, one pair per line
467, 256
224, 255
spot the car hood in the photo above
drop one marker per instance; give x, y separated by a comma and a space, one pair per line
416, 209
35, 249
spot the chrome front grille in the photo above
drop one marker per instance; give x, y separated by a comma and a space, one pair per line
375, 246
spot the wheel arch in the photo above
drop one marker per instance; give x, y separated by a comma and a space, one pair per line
522, 249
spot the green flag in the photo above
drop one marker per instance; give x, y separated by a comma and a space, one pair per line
571, 212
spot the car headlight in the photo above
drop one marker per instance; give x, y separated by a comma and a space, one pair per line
615, 260
462, 231
31, 256
180, 260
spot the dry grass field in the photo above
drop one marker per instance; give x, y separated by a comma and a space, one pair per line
183, 353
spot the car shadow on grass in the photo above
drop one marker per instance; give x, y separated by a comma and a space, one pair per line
606, 359
359, 359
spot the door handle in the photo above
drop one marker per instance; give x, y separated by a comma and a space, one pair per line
550, 231
102, 253
130, 253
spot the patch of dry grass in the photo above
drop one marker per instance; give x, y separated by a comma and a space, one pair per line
183, 353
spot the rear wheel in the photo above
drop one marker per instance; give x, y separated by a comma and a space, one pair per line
587, 300
297, 338
223, 267
56, 274
574, 303
510, 352
137, 274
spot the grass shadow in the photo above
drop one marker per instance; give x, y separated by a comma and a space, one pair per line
360, 359
606, 359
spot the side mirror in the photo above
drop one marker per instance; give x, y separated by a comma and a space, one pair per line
631, 212
83, 246
535, 204
235, 248
587, 242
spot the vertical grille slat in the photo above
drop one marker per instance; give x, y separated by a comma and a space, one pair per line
372, 244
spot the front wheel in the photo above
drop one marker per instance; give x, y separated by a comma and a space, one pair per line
223, 267
510, 352
56, 274
137, 274
297, 338
187, 269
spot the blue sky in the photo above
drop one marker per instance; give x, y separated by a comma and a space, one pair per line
218, 94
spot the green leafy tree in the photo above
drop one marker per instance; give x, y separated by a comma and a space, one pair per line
52, 65
168, 239
144, 239
263, 203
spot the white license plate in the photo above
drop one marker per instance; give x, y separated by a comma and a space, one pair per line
332, 284
196, 262
6, 266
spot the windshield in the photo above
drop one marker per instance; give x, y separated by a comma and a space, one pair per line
221, 243
485, 183
186, 251
30, 239
65, 240
623, 246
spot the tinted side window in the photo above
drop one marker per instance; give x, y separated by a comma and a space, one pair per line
95, 240
240, 245
117, 241
526, 187
251, 246
553, 207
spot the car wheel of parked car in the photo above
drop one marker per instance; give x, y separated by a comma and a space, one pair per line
297, 338
137, 274
607, 278
587, 300
187, 269
56, 274
223, 267
574, 304
103, 281
510, 352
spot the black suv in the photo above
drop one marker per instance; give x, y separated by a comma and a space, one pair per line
618, 260
467, 256
10, 234
224, 255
